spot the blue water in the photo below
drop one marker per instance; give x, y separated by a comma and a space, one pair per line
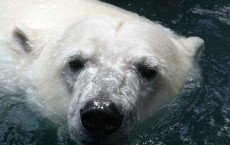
200, 117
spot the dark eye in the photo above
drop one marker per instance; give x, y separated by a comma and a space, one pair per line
76, 64
147, 72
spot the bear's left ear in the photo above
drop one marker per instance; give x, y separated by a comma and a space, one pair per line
191, 46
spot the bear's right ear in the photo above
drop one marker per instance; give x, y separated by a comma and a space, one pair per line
20, 41
24, 40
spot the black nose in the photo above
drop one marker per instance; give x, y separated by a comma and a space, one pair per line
101, 117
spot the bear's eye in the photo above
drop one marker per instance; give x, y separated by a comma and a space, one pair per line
147, 72
76, 64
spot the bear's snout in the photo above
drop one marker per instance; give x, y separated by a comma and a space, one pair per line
101, 117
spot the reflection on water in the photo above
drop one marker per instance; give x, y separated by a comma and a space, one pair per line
20, 124
220, 13
200, 117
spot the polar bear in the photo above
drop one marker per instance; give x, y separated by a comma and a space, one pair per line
99, 68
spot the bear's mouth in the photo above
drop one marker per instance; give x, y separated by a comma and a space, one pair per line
97, 142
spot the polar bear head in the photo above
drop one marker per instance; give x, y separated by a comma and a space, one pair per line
104, 74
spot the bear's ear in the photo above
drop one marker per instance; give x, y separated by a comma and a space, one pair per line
22, 39
191, 46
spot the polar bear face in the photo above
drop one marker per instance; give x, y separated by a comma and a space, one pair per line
104, 74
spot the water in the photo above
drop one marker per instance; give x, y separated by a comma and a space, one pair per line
200, 117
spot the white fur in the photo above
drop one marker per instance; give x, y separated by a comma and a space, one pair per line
111, 40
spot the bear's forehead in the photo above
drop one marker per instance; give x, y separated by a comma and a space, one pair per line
108, 38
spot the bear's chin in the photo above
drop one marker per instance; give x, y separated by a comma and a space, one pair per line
86, 139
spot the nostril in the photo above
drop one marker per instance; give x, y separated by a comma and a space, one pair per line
101, 117
99, 121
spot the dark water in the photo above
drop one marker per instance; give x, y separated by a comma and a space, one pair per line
203, 115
